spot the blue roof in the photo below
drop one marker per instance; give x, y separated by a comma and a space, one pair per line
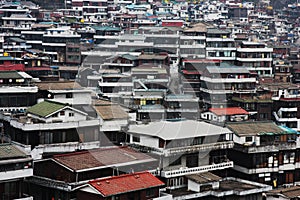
289, 130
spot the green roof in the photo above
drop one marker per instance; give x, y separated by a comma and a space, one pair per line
45, 108
9, 58
252, 100
9, 151
106, 28
9, 74
129, 57
15, 39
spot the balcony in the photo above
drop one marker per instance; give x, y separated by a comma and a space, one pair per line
115, 84
53, 126
190, 37
195, 170
280, 119
228, 80
227, 91
255, 50
221, 58
254, 59
266, 148
220, 48
50, 183
215, 39
197, 148
14, 174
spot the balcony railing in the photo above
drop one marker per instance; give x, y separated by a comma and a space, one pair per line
14, 174
267, 148
197, 148
195, 170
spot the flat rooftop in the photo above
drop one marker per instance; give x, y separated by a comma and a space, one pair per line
228, 186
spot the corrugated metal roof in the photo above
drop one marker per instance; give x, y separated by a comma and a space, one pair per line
178, 130
228, 111
9, 151
126, 183
66, 85
106, 157
110, 112
255, 128
205, 177
223, 69
9, 74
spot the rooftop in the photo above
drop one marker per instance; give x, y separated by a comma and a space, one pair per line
110, 112
205, 177
152, 57
289, 193
125, 183
9, 151
102, 158
167, 130
229, 111
228, 187
67, 85
225, 68
9, 58
10, 74
45, 108
255, 128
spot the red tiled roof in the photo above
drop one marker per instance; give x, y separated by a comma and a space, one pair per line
38, 69
290, 99
102, 157
190, 72
229, 111
201, 61
125, 183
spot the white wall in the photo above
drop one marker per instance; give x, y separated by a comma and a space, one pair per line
78, 98
66, 117
193, 186
242, 140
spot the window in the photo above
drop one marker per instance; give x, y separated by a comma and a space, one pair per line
175, 161
62, 113
150, 192
71, 114
136, 139
69, 95
248, 139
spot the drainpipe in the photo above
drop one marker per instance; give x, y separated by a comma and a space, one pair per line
76, 177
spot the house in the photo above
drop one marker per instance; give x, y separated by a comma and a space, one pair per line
190, 72
292, 192
139, 185
220, 45
259, 106
72, 170
220, 83
67, 92
15, 166
181, 106
225, 114
8, 63
207, 185
51, 127
184, 147
264, 152
255, 56
15, 46
113, 120
17, 92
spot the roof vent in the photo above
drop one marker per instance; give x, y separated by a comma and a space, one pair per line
98, 183
107, 182
137, 176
